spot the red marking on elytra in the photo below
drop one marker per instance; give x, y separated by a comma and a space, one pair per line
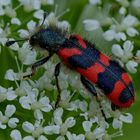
126, 78
92, 72
114, 95
65, 53
104, 59
80, 40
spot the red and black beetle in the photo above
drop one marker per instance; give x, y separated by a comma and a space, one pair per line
94, 67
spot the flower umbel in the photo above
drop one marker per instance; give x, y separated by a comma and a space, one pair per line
28, 108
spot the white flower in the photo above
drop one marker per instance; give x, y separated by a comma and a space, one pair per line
72, 136
132, 32
94, 2
120, 118
35, 130
11, 75
39, 14
30, 5
59, 127
6, 119
64, 25
15, 135
130, 20
15, 21
124, 54
51, 2
117, 124
122, 10
131, 66
31, 101
6, 8
65, 100
26, 55
8, 94
97, 133
110, 34
31, 25
136, 3
91, 24
23, 33
4, 32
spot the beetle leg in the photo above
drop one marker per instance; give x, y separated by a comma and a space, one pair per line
114, 107
37, 64
56, 73
91, 88
88, 85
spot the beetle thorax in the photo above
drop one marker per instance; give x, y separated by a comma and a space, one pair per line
47, 39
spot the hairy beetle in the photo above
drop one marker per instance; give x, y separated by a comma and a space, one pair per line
94, 67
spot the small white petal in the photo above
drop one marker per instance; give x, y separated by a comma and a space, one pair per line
122, 10
57, 116
24, 101
10, 110
128, 46
120, 36
132, 32
60, 138
87, 125
38, 114
94, 2
28, 127
15, 21
15, 135
91, 25
54, 129
70, 122
47, 108
13, 122
138, 53
36, 4
2, 126
99, 132
117, 50
130, 20
109, 35
26, 55
83, 106
23, 33
117, 124
127, 118
11, 95
71, 136
136, 3
131, 66
31, 25
50, 2
28, 138
39, 14
42, 138
64, 25
11, 75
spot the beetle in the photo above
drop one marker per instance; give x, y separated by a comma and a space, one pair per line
95, 67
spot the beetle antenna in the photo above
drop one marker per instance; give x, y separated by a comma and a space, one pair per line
9, 43
44, 17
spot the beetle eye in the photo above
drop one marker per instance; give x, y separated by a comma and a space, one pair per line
33, 40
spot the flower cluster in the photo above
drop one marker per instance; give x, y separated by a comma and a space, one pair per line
28, 106
119, 29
